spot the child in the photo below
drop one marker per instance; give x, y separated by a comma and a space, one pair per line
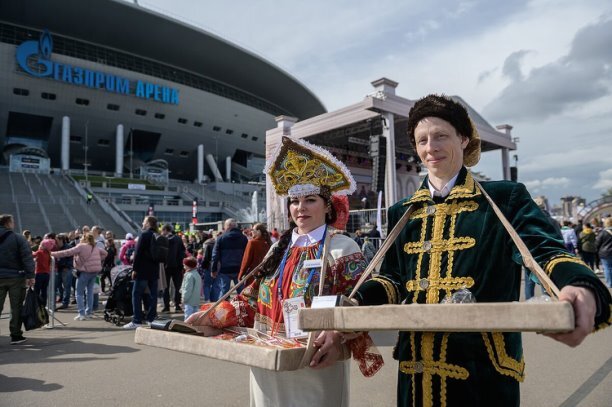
192, 284
42, 256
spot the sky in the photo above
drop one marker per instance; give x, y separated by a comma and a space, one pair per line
542, 66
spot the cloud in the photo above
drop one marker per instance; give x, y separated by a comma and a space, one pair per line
512, 65
582, 76
563, 159
536, 185
605, 180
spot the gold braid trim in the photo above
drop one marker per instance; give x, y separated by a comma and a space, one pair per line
413, 352
438, 246
392, 294
421, 195
509, 367
562, 258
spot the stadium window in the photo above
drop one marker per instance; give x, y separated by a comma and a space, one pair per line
21, 91
169, 151
216, 128
182, 121
75, 139
184, 154
160, 116
229, 131
104, 142
82, 102
254, 138
111, 106
244, 135
197, 124
140, 112
48, 96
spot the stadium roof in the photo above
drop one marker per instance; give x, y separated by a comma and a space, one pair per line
140, 31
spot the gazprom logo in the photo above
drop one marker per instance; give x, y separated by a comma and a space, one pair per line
34, 58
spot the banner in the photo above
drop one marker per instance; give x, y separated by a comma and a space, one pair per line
194, 211
379, 215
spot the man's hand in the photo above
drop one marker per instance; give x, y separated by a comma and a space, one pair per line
330, 349
583, 302
30, 282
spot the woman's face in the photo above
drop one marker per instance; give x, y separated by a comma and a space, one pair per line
308, 212
256, 233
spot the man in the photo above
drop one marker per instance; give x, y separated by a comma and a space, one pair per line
145, 275
227, 258
454, 240
174, 265
16, 273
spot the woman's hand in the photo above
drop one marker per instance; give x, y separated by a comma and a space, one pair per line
329, 349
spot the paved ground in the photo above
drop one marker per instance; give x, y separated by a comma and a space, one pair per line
95, 364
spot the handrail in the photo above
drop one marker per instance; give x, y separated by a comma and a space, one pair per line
14, 199
44, 215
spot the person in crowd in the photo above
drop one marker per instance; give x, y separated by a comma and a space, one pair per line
42, 258
604, 249
87, 263
126, 252
190, 286
569, 237
454, 240
64, 272
109, 263
16, 273
374, 235
274, 235
255, 250
205, 266
227, 257
28, 236
359, 237
36, 242
97, 232
173, 265
314, 198
588, 249
145, 275
368, 249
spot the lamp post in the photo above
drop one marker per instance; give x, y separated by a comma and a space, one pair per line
85, 148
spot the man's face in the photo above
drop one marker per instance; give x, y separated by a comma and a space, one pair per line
439, 147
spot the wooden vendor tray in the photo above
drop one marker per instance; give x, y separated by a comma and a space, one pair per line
266, 357
476, 317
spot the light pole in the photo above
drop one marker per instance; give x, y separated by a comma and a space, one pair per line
85, 148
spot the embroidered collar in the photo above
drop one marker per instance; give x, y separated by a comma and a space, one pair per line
310, 238
464, 188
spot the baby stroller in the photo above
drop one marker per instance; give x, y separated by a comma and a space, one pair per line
119, 303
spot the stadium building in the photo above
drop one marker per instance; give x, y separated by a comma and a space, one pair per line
96, 92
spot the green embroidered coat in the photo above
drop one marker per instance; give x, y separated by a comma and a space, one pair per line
459, 242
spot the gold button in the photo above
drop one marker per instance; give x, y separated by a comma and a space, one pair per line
418, 367
431, 210
427, 245
424, 283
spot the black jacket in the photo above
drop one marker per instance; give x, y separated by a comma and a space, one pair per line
228, 251
15, 255
145, 267
176, 252
604, 243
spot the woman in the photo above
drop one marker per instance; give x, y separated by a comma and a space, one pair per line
126, 253
88, 263
255, 250
312, 211
63, 277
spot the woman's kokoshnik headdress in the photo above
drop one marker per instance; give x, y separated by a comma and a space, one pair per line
298, 168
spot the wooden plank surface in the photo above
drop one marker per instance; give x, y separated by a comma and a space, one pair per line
478, 317
270, 358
